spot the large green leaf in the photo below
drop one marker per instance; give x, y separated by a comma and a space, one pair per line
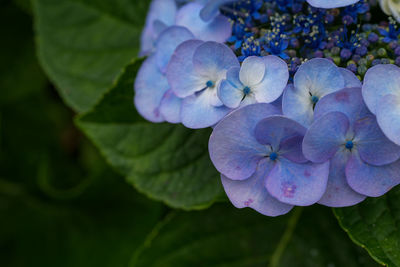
374, 225
167, 162
84, 45
224, 236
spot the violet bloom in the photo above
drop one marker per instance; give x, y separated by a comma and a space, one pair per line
381, 92
258, 153
363, 162
258, 80
313, 80
194, 73
331, 3
211, 9
151, 85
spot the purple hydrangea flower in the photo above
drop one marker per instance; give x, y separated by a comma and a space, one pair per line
331, 3
363, 162
194, 74
211, 9
313, 80
259, 80
381, 92
258, 153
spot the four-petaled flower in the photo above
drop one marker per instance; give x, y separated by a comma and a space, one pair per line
363, 162
258, 153
259, 80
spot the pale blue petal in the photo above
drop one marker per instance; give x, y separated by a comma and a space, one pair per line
213, 60
150, 87
163, 11
230, 91
199, 112
379, 81
274, 82
298, 184
297, 105
338, 192
373, 146
371, 180
325, 136
319, 76
219, 29
348, 101
253, 194
170, 107
252, 71
350, 79
168, 42
331, 3
180, 72
388, 116
233, 147
211, 9
275, 130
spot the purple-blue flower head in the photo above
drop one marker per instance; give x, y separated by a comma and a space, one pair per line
381, 92
194, 73
331, 3
258, 80
363, 162
258, 153
313, 80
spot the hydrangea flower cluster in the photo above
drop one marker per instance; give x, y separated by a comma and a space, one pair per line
280, 83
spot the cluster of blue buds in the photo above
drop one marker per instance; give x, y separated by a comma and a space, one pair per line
303, 96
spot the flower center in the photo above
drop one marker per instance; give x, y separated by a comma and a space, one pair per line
314, 99
209, 84
246, 90
273, 156
349, 145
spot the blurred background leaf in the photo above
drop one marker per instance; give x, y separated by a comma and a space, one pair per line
83, 45
166, 162
374, 225
225, 236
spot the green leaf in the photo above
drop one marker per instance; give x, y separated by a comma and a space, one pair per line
166, 162
83, 45
374, 225
224, 236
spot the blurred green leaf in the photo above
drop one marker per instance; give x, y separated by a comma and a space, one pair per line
374, 224
224, 236
20, 74
84, 45
166, 162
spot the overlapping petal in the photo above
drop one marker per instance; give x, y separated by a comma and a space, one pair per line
217, 29
252, 71
233, 147
388, 116
350, 79
325, 136
253, 194
180, 72
298, 184
373, 146
370, 180
348, 101
168, 42
338, 192
150, 87
380, 81
297, 105
210, 10
170, 107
